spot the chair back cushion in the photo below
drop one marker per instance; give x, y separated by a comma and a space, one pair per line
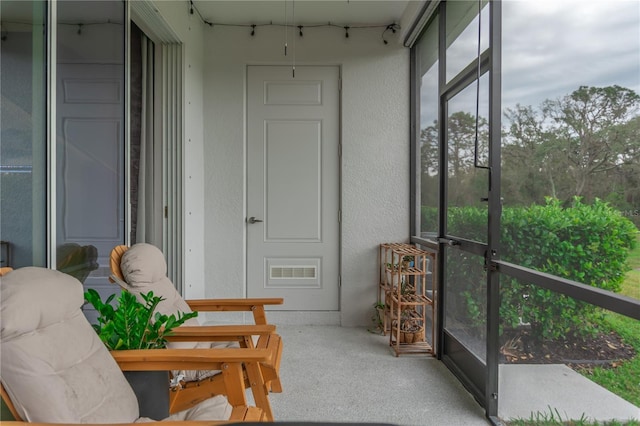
54, 367
144, 270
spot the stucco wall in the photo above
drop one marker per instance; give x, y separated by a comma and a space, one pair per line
375, 138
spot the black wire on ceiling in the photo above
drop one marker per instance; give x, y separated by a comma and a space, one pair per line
252, 27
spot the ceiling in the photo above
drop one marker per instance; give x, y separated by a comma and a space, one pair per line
246, 12
307, 12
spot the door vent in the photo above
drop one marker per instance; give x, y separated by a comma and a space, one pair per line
293, 272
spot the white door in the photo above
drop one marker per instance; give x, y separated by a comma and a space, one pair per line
293, 170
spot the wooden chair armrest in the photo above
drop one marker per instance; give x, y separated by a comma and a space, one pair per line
186, 359
256, 306
219, 333
230, 362
208, 305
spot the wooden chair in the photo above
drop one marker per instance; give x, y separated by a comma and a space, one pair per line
55, 369
195, 390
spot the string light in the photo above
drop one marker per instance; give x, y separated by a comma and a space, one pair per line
285, 28
346, 28
393, 28
80, 26
192, 8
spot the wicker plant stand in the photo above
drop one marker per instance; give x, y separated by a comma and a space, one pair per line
407, 291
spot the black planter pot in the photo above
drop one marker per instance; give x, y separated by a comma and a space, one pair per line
152, 390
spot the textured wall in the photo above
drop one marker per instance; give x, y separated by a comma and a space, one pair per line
375, 180
375, 137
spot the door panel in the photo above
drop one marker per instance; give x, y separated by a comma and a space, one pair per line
302, 141
293, 186
465, 304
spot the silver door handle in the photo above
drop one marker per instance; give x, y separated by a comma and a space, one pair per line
252, 219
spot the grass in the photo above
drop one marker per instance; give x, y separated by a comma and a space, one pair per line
623, 380
631, 285
553, 418
634, 255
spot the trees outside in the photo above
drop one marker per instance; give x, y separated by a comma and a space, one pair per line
462, 175
595, 134
585, 144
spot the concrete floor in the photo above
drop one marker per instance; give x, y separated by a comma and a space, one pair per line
341, 374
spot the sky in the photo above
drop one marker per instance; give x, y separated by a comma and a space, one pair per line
551, 47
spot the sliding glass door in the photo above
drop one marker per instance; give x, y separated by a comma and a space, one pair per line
23, 151
458, 191
62, 157
73, 166
466, 187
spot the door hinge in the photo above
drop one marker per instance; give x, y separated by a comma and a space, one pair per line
339, 216
339, 85
339, 280
166, 211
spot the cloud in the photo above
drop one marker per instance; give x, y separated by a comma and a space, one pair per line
551, 47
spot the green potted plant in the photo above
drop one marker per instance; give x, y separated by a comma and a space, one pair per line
411, 327
130, 324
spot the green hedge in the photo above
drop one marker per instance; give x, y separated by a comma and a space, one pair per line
585, 243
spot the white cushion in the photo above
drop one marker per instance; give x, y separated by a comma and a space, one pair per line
144, 269
216, 408
54, 366
209, 409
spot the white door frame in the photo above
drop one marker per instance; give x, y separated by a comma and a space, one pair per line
169, 131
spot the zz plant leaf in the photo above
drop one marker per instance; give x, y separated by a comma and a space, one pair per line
132, 324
